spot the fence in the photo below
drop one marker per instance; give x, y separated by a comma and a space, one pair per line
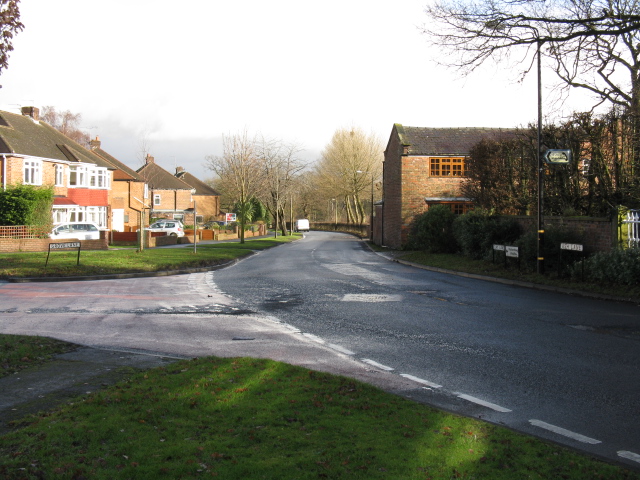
633, 225
24, 231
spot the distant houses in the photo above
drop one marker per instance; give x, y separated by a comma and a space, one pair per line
92, 185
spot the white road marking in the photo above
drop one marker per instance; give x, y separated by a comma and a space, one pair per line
564, 432
478, 401
420, 380
340, 349
371, 298
629, 455
376, 364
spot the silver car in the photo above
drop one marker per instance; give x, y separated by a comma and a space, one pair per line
173, 228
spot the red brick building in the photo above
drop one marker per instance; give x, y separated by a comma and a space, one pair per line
423, 167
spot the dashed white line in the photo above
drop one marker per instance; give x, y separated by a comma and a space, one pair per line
564, 432
478, 401
341, 349
420, 380
629, 455
376, 364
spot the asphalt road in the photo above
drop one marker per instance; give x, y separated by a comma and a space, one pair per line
559, 367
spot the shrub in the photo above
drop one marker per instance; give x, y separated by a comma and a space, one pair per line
26, 205
477, 231
621, 267
432, 231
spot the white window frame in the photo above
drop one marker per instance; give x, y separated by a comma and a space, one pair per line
146, 190
98, 177
32, 172
59, 175
157, 199
80, 180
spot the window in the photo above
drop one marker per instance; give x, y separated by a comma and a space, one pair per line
447, 167
77, 176
146, 191
98, 178
59, 175
32, 172
156, 199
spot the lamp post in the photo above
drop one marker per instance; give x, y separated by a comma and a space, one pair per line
540, 249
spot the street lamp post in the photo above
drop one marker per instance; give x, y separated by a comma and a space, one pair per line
540, 249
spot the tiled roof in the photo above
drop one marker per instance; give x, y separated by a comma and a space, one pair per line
447, 141
201, 187
158, 178
21, 135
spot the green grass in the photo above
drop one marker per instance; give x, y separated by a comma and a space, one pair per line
261, 419
102, 262
460, 263
20, 352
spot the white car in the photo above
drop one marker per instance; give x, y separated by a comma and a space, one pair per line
173, 228
76, 231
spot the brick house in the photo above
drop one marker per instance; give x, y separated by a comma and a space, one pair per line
34, 153
424, 167
170, 197
130, 192
207, 199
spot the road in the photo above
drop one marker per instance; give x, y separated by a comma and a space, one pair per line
560, 367
555, 366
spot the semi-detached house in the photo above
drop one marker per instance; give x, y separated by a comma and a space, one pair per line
34, 153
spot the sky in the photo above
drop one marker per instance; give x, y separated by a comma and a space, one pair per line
174, 77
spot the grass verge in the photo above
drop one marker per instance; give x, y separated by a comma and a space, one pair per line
103, 262
18, 352
459, 263
261, 419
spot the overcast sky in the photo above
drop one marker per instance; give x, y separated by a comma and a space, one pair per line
178, 75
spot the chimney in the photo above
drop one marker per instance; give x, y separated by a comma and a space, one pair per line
179, 170
32, 112
149, 159
95, 144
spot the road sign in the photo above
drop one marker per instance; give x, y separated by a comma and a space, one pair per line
557, 157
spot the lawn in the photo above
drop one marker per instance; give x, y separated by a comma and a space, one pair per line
115, 261
261, 419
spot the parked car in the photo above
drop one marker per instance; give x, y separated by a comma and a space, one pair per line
76, 231
173, 228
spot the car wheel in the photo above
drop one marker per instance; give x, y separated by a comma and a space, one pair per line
173, 234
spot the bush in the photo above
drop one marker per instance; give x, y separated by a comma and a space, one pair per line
621, 267
477, 231
432, 231
26, 205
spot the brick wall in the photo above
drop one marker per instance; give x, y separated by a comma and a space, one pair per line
392, 190
599, 234
13, 245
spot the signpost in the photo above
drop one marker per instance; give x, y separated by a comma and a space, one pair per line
557, 157
571, 247
230, 217
63, 246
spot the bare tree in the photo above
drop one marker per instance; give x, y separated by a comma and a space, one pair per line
10, 25
589, 44
282, 165
242, 171
67, 123
349, 166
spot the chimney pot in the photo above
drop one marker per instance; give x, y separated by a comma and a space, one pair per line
95, 144
149, 159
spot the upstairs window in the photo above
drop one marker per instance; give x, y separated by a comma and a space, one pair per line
77, 176
32, 172
447, 167
98, 178
59, 175
156, 199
